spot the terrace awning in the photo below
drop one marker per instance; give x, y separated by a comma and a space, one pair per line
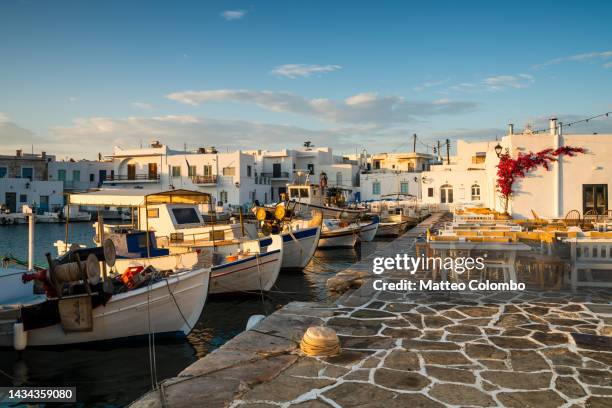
139, 198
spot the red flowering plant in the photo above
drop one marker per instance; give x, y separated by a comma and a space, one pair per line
509, 169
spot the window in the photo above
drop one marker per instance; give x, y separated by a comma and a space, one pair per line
27, 172
430, 192
376, 187
248, 171
479, 158
92, 177
76, 175
3, 171
61, 175
446, 194
595, 198
229, 171
404, 187
222, 197
153, 213
176, 171
253, 195
475, 192
186, 215
207, 170
310, 168
152, 171
297, 192
191, 171
376, 164
23, 198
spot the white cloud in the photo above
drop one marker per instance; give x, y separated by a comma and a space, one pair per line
361, 108
14, 136
495, 83
72, 99
607, 65
430, 84
142, 105
303, 70
231, 15
588, 57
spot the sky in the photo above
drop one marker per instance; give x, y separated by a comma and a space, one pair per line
77, 78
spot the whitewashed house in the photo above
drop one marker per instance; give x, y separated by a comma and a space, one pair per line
579, 183
280, 167
461, 182
230, 178
23, 180
81, 175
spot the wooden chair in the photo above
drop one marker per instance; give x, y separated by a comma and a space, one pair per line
572, 218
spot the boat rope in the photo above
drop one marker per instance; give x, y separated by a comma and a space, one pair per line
177, 305
151, 338
261, 291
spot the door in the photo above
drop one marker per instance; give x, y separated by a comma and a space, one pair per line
595, 198
276, 170
11, 201
131, 168
446, 194
44, 203
153, 171
102, 176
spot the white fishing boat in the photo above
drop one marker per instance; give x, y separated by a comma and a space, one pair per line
338, 234
369, 229
164, 293
254, 269
170, 305
309, 197
299, 244
48, 217
74, 214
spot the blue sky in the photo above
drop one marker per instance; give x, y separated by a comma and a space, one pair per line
79, 77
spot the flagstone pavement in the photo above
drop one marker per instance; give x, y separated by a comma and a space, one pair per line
519, 349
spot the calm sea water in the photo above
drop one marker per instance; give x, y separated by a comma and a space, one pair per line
114, 374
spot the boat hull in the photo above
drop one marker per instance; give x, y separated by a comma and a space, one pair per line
391, 229
252, 274
340, 239
368, 231
127, 314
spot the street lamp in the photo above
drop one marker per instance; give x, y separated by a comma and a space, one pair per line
498, 150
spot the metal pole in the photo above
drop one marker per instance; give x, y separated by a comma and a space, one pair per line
241, 222
414, 143
31, 221
67, 221
147, 225
447, 151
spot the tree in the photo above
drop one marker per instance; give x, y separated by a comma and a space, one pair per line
509, 169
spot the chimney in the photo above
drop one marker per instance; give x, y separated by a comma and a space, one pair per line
18, 153
553, 126
510, 128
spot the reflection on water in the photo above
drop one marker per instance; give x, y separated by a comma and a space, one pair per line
117, 373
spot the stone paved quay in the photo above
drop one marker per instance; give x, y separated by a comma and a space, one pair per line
522, 349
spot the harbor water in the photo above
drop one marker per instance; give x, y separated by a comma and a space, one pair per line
119, 372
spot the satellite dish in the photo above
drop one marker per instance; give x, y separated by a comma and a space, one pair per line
93, 269
110, 254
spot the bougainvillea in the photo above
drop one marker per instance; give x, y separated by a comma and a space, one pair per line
509, 169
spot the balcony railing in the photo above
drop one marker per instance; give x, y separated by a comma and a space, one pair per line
110, 178
282, 174
204, 179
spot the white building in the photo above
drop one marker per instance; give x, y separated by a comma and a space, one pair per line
23, 180
579, 183
80, 175
463, 181
230, 178
280, 167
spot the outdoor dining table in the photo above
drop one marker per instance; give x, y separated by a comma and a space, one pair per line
446, 248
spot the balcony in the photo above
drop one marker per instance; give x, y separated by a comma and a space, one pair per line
276, 175
132, 178
204, 180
